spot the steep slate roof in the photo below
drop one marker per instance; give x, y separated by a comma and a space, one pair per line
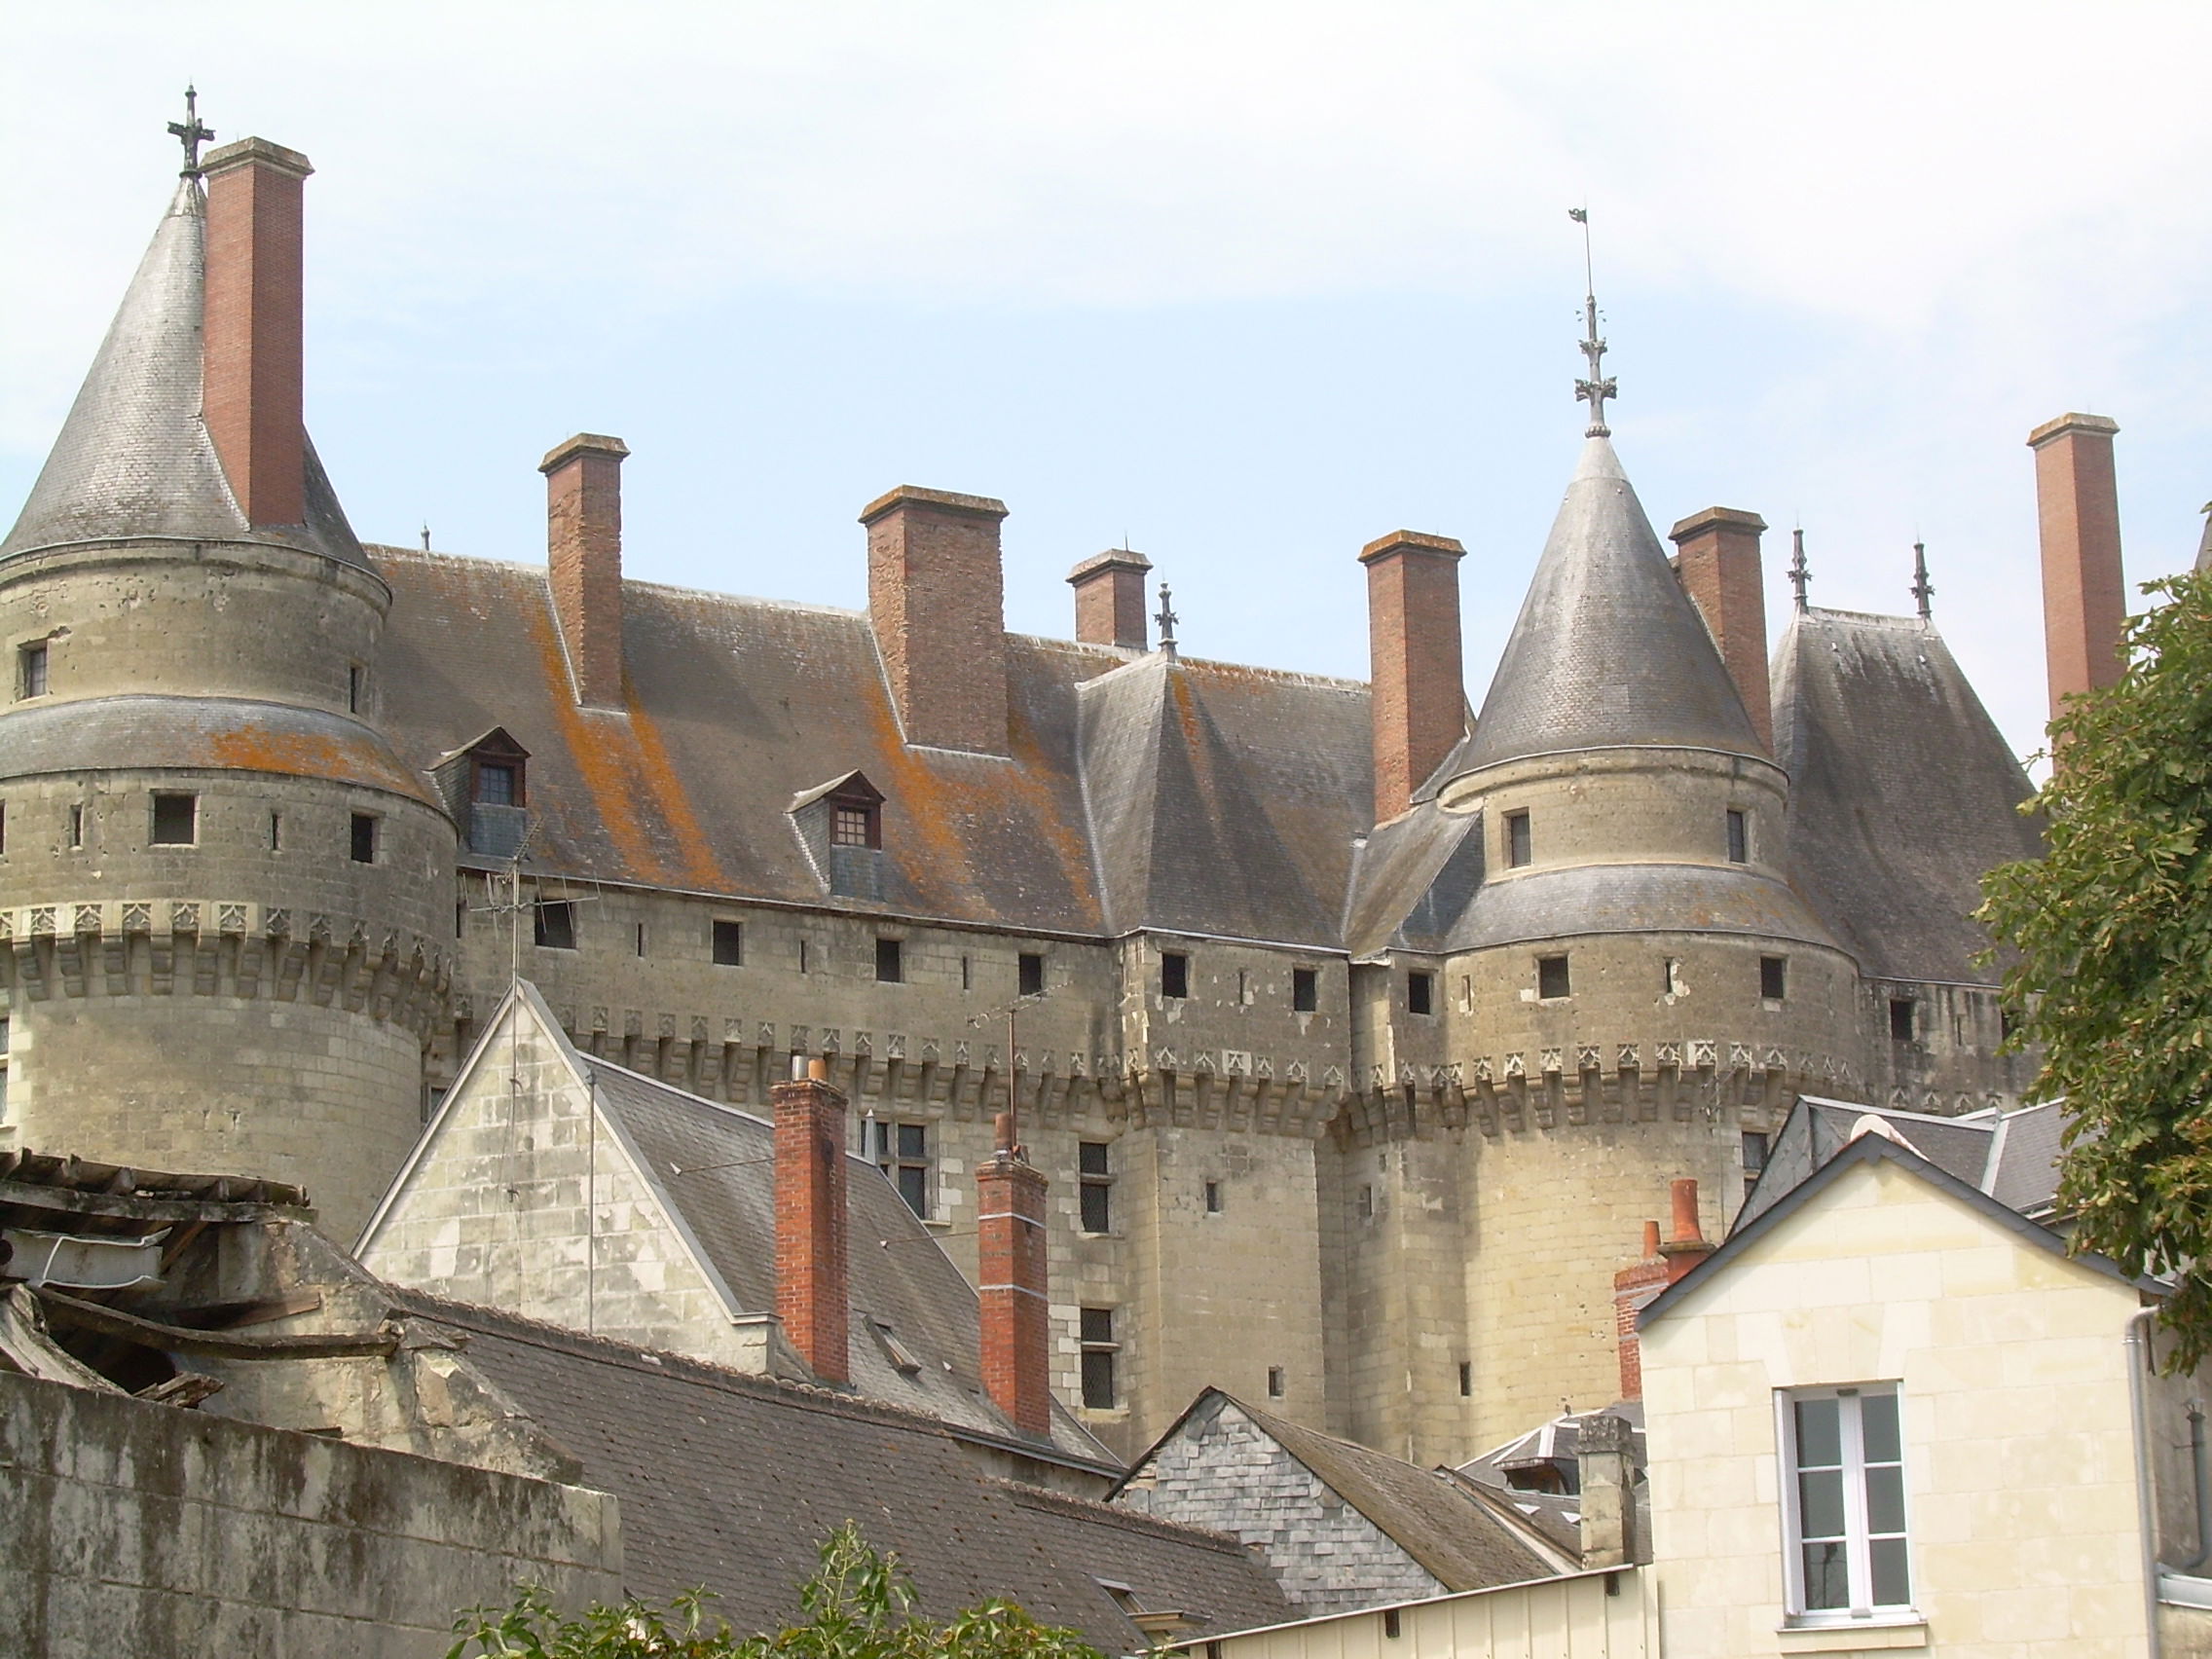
731, 1482
1412, 878
134, 458
1557, 1516
1608, 651
1902, 792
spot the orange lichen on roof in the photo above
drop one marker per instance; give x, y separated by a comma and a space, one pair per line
700, 867
361, 760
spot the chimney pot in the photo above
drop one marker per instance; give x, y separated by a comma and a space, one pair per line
935, 598
583, 544
813, 1295
1416, 696
1650, 1239
2084, 592
1108, 600
253, 326
1688, 1246
1719, 563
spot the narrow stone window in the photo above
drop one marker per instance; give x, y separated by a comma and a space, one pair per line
176, 819
3, 828
1517, 844
356, 687
364, 837
1367, 1203
1739, 837
1901, 1019
1174, 973
890, 961
1305, 989
1552, 978
1420, 992
641, 939
1243, 987
1031, 973
76, 825
966, 978
276, 831
1275, 1381
729, 941
1774, 978
460, 928
553, 924
1671, 977
1213, 1197
1754, 1158
1096, 1175
802, 956
1467, 1379
30, 671
1099, 1353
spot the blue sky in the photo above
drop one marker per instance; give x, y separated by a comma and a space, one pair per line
1248, 285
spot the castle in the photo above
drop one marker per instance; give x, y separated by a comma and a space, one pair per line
1357, 1033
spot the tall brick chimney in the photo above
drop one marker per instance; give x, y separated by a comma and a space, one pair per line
1718, 562
251, 335
1010, 1274
1634, 1287
935, 598
812, 1295
1419, 704
583, 545
2085, 597
1109, 599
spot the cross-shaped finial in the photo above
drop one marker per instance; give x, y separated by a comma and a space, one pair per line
1799, 577
1599, 385
1166, 620
1922, 590
191, 134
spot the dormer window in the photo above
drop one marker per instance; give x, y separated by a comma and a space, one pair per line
486, 786
842, 824
854, 825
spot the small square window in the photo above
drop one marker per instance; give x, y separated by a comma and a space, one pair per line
1552, 978
1097, 1324
1517, 844
1213, 1197
1174, 973
176, 819
1739, 837
1031, 973
890, 961
364, 837
553, 924
728, 943
1420, 992
1901, 1019
852, 826
1275, 1382
1305, 989
1774, 978
31, 675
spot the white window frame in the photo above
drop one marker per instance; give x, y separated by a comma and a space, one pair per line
1857, 1558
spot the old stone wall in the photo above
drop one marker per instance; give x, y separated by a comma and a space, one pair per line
130, 1528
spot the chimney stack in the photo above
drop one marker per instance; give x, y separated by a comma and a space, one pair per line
251, 386
1418, 705
1686, 1245
1010, 1274
935, 600
1719, 564
2085, 597
811, 1229
1634, 1288
583, 545
1605, 1465
1109, 599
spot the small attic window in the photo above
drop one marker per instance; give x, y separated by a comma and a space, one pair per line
896, 1352
855, 823
497, 782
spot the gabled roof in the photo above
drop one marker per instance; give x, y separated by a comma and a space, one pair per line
134, 458
1608, 651
1902, 792
1457, 1538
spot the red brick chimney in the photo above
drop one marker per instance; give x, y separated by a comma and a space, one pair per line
1109, 599
250, 340
935, 600
1010, 1274
1719, 563
811, 1263
583, 545
1419, 706
2084, 598
1634, 1287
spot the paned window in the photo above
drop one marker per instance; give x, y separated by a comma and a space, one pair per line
1420, 992
1844, 1450
853, 825
176, 819
1174, 973
1094, 1167
1099, 1353
31, 678
1305, 989
1739, 837
901, 1151
494, 783
1517, 845
1774, 978
1551, 977
553, 924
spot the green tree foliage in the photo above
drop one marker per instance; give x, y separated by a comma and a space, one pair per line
859, 1605
2111, 941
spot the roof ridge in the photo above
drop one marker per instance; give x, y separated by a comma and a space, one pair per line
1046, 1497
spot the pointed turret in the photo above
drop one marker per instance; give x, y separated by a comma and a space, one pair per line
1609, 652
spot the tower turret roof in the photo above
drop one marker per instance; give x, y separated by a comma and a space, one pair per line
134, 458
1608, 651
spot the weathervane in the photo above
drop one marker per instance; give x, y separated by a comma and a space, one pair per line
1599, 385
1922, 590
191, 134
1166, 620
1799, 577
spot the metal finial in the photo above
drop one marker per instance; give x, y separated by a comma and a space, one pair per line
1922, 590
425, 535
1166, 619
191, 134
1799, 577
1599, 385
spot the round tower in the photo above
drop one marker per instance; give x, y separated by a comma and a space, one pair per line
222, 896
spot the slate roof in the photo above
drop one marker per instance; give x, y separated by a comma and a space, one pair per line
2012, 1157
730, 1481
1556, 1515
1608, 651
1902, 792
134, 458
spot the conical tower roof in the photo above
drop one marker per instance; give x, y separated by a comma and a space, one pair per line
134, 458
1608, 651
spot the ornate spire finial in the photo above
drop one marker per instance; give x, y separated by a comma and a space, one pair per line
1599, 386
191, 134
1799, 577
1166, 620
1922, 590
